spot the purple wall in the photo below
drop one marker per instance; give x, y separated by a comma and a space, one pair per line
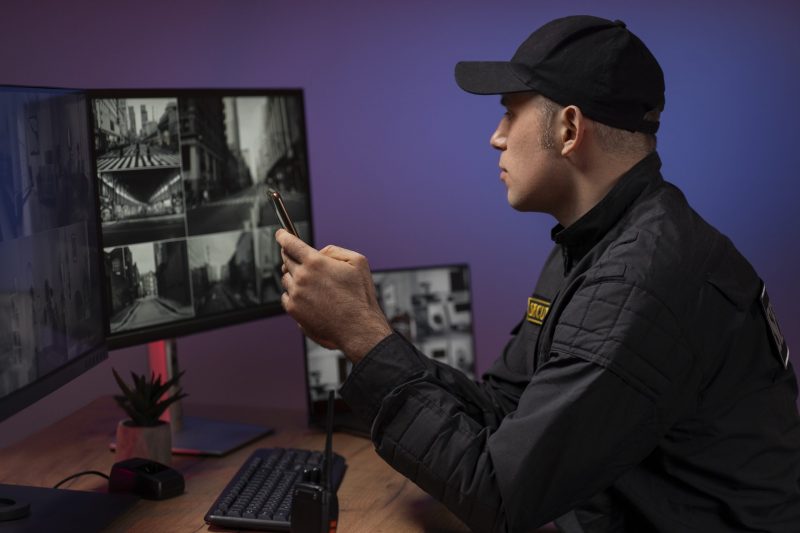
401, 168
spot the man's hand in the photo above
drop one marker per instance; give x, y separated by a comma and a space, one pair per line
332, 296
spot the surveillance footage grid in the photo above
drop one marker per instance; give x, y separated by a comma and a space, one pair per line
431, 307
188, 230
49, 312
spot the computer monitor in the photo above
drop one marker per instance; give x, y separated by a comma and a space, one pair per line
430, 306
50, 309
187, 227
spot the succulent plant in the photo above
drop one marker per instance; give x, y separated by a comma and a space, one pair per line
143, 401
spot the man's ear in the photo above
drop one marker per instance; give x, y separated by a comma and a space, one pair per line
571, 129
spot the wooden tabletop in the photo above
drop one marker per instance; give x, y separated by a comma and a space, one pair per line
372, 498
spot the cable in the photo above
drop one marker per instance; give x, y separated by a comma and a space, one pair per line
73, 476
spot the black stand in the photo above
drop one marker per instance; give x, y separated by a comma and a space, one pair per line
59, 509
13, 509
194, 435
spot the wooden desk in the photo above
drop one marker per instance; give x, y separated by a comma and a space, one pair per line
372, 498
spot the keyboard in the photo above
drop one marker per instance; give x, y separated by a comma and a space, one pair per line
259, 496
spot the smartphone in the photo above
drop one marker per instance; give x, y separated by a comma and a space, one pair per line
280, 210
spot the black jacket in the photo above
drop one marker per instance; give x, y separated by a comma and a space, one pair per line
643, 390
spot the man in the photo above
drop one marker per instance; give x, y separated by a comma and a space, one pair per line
647, 389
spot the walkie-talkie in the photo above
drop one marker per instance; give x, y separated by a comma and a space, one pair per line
315, 507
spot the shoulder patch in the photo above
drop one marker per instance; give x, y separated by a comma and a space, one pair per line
777, 337
537, 310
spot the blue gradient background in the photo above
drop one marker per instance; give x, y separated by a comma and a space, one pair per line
401, 168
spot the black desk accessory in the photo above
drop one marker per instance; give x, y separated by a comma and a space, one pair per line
64, 510
148, 479
315, 507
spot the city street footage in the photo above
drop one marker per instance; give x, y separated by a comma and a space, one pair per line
187, 227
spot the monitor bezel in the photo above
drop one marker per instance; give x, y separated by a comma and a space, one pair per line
317, 417
192, 325
49, 383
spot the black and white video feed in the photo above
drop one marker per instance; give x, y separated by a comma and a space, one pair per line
141, 205
49, 310
233, 150
431, 307
18, 342
136, 134
61, 305
139, 182
223, 271
189, 172
148, 284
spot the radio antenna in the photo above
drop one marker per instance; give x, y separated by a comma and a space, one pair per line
327, 473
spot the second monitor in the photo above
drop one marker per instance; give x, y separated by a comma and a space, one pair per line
429, 306
187, 229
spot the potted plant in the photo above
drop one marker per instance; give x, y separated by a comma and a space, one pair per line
144, 434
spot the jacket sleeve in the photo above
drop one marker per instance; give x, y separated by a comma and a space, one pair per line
578, 425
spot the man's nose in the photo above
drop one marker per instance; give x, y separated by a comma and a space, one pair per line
498, 138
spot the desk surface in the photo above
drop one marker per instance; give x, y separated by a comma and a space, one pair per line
372, 498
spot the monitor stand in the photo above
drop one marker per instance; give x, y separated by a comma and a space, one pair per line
193, 435
24, 509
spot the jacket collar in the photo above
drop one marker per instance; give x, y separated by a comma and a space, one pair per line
581, 236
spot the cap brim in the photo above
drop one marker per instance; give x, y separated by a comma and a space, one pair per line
489, 77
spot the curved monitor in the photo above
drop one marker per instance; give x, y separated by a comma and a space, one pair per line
50, 310
187, 227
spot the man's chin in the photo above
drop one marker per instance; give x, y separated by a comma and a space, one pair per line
524, 205
516, 203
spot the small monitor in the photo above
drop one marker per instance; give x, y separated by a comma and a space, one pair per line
430, 306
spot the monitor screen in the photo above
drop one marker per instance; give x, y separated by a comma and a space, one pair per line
50, 309
430, 306
187, 227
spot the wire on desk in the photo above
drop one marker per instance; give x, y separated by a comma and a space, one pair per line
73, 476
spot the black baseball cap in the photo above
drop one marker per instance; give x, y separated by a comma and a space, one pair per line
591, 62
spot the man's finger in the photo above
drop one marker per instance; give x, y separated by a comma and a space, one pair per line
289, 264
342, 254
287, 282
285, 301
294, 247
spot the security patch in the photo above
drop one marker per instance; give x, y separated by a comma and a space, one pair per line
537, 310
777, 337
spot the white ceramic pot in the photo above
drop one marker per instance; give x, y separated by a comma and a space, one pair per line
147, 442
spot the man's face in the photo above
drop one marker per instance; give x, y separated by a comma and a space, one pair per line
528, 156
